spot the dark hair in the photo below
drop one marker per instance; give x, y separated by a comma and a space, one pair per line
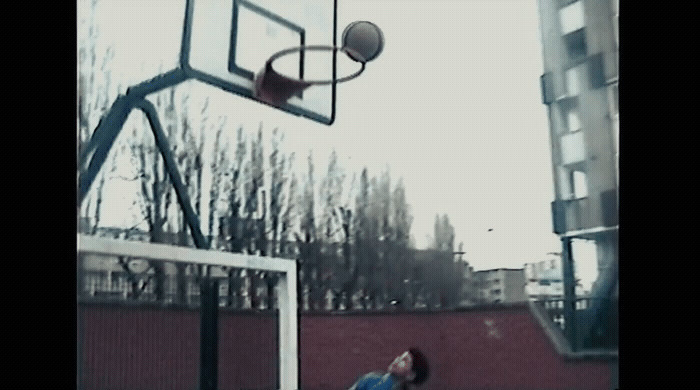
420, 366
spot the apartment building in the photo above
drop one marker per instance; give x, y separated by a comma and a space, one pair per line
502, 285
580, 41
545, 280
580, 89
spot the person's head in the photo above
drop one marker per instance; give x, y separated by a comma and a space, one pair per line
412, 366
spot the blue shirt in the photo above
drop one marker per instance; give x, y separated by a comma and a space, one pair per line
376, 381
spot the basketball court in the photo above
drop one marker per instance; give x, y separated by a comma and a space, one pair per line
279, 53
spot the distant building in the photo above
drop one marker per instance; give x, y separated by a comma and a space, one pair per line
469, 292
545, 281
502, 285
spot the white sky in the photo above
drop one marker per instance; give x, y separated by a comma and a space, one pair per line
452, 105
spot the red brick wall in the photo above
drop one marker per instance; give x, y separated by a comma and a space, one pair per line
490, 348
138, 348
149, 348
482, 349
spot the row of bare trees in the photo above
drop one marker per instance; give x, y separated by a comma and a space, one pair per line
350, 235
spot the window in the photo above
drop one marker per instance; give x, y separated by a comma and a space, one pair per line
613, 100
616, 132
576, 46
616, 28
616, 20
571, 17
573, 121
596, 71
558, 119
573, 84
579, 185
565, 191
496, 291
570, 117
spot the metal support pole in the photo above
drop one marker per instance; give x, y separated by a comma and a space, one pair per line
209, 290
569, 293
162, 81
208, 371
604, 290
111, 124
101, 142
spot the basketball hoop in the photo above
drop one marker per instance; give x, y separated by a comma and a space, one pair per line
362, 42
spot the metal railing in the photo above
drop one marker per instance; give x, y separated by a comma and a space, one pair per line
603, 336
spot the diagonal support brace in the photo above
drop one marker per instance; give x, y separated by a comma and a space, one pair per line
171, 166
101, 143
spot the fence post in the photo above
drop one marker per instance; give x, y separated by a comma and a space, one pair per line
569, 293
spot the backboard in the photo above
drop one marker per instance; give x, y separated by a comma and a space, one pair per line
226, 42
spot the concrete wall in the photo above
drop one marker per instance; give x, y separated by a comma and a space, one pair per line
140, 347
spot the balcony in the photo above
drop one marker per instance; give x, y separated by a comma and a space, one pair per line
573, 214
577, 214
547, 88
606, 335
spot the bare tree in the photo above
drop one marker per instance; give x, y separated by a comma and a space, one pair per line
230, 225
380, 232
88, 34
156, 188
289, 216
402, 221
444, 234
277, 181
308, 244
363, 240
94, 97
336, 272
188, 150
253, 185
99, 193
218, 166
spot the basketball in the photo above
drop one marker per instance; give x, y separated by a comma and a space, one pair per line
364, 39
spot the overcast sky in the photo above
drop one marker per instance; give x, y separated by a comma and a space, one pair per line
452, 105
